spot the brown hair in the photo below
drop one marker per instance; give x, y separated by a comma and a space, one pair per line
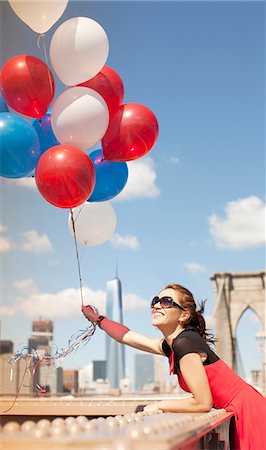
196, 319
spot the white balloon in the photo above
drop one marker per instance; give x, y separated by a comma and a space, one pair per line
39, 15
78, 50
94, 223
80, 117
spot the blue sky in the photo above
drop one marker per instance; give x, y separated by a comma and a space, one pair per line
193, 206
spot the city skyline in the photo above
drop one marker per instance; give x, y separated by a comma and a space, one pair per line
192, 207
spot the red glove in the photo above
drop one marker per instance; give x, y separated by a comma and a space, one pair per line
114, 329
89, 313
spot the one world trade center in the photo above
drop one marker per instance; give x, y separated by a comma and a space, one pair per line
115, 352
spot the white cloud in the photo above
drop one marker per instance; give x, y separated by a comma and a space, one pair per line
141, 181
5, 244
196, 268
133, 301
64, 304
7, 311
243, 226
174, 160
129, 241
27, 286
26, 182
35, 242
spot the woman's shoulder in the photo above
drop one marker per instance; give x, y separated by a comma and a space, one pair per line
189, 332
190, 339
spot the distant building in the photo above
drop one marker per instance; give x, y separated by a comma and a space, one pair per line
144, 371
71, 380
159, 372
115, 352
6, 347
42, 336
14, 377
41, 340
99, 370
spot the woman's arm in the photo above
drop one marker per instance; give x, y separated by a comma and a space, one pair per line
196, 380
136, 340
123, 334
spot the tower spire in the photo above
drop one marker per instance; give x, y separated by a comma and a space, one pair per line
116, 269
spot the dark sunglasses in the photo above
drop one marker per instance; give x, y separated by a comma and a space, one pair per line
166, 302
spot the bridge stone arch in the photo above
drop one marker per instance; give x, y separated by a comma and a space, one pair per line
234, 293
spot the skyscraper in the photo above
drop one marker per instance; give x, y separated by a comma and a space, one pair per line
115, 352
144, 370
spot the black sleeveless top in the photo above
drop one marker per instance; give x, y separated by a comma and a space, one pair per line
189, 341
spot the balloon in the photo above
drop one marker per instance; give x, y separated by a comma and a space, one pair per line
39, 15
111, 177
132, 132
65, 176
80, 117
27, 85
78, 50
94, 223
3, 105
110, 86
20, 148
44, 131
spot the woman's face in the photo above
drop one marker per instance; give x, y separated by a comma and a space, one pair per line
162, 317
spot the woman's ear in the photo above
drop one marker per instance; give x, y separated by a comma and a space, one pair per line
184, 317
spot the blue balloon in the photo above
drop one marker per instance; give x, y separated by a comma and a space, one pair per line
3, 105
20, 148
111, 177
44, 131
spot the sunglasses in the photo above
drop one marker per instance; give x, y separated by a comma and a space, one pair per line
166, 302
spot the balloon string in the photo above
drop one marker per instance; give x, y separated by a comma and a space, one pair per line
42, 36
77, 255
19, 388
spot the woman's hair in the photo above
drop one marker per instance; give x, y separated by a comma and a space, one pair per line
196, 319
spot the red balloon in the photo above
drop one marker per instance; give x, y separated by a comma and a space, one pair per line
132, 132
109, 85
27, 85
65, 176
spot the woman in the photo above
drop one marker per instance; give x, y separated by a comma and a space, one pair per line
200, 371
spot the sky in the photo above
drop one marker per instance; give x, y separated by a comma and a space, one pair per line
193, 206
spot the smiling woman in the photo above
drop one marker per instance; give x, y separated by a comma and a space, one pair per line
200, 371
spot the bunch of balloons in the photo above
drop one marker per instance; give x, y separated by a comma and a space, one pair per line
56, 145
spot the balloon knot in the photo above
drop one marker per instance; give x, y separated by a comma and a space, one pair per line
41, 36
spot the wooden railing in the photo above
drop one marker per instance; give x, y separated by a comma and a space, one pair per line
34, 425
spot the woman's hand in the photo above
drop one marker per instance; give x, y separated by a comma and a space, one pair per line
152, 407
89, 313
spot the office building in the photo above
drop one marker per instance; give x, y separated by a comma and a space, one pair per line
98, 370
42, 336
6, 347
41, 340
115, 352
15, 378
71, 380
144, 372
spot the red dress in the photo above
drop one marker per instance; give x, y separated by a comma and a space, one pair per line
228, 390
